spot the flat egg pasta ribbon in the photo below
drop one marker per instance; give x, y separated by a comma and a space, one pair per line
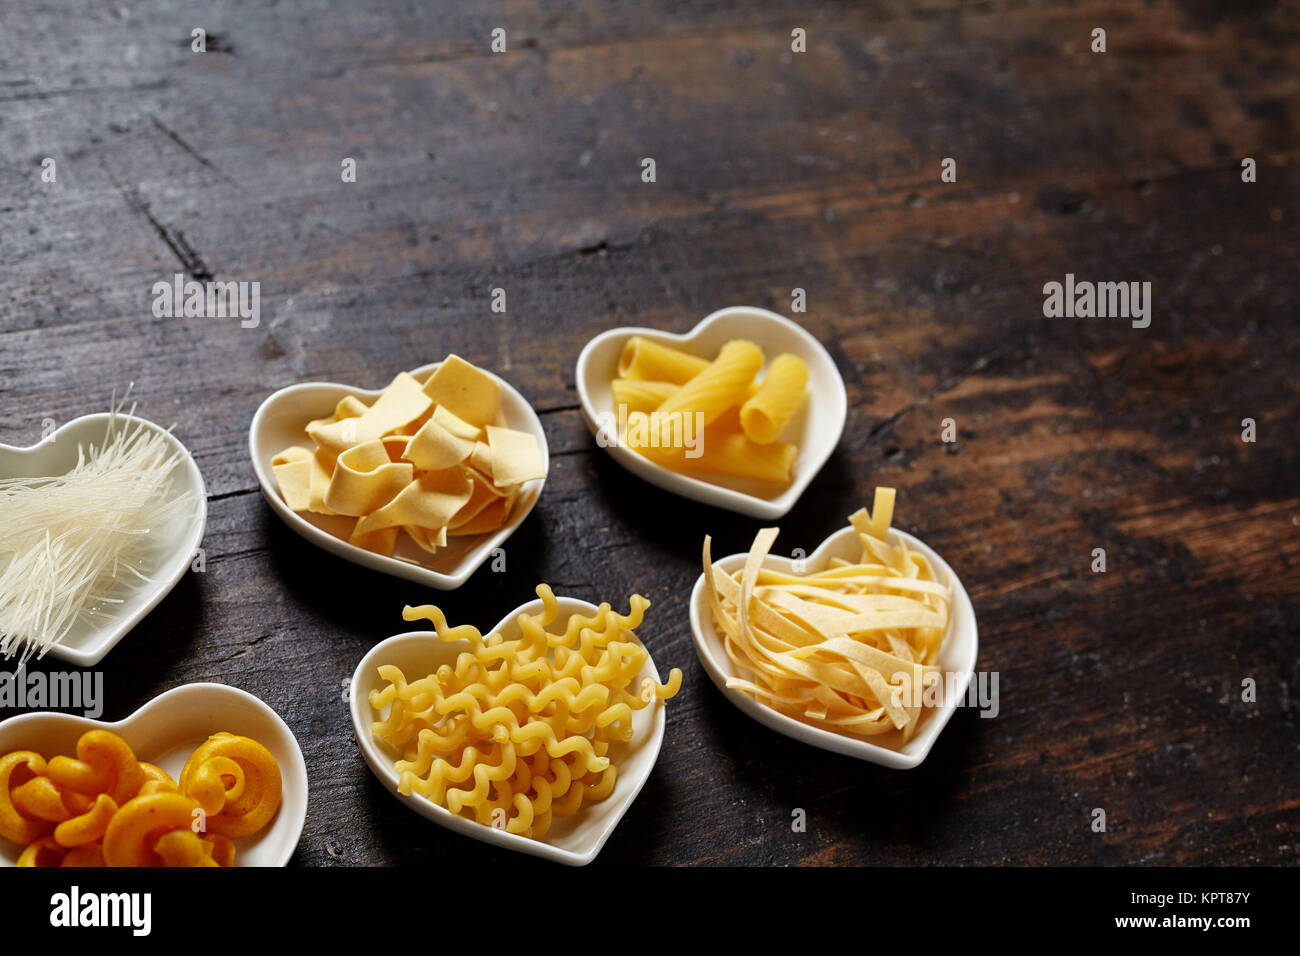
428, 460
399, 404
847, 648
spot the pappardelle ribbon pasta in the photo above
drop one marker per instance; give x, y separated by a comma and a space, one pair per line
432, 459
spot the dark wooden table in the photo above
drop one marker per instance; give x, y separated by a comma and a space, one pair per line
775, 171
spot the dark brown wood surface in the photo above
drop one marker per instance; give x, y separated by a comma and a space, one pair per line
775, 170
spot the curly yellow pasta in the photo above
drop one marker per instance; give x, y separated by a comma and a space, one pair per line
517, 732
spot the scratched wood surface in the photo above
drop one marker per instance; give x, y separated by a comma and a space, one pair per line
775, 170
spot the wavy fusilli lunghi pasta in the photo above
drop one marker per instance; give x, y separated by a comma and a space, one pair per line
518, 732
850, 648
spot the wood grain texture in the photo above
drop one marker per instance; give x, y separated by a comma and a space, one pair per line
775, 170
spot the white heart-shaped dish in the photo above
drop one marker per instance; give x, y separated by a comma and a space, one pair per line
175, 548
281, 421
957, 655
165, 732
815, 429
575, 840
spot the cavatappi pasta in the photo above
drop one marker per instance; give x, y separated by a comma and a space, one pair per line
849, 648
103, 807
690, 414
518, 732
432, 460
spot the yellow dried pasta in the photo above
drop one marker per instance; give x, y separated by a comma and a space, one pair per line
766, 413
721, 385
428, 459
103, 807
646, 360
518, 732
850, 648
639, 396
691, 415
731, 453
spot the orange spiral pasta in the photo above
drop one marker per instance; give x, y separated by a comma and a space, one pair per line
237, 783
104, 807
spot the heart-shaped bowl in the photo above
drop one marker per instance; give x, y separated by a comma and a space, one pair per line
957, 656
574, 840
165, 732
815, 429
282, 420
175, 546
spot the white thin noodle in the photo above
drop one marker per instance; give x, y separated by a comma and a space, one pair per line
71, 544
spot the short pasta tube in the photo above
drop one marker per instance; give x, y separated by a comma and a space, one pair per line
635, 395
732, 454
766, 413
645, 360
724, 383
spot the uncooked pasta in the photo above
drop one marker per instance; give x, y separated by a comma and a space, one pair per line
519, 732
72, 544
849, 648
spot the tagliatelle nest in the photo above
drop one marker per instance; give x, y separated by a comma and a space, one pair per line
850, 648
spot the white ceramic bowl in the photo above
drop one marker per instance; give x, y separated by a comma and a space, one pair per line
957, 656
175, 547
281, 421
816, 428
575, 840
165, 732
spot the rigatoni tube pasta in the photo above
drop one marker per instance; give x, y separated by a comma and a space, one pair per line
689, 414
766, 413
722, 384
645, 360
